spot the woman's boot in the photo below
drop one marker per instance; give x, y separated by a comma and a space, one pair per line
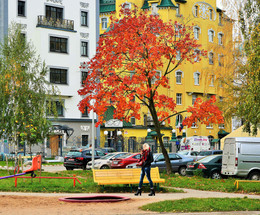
152, 192
139, 191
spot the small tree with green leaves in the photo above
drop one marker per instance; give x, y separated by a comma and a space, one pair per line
24, 91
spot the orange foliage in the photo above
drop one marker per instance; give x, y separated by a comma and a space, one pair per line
126, 64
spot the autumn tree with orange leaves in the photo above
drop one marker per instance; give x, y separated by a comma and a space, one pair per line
126, 64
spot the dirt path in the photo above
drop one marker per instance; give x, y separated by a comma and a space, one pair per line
49, 204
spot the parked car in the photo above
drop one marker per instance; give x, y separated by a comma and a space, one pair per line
178, 162
105, 161
241, 157
203, 154
108, 150
210, 167
78, 158
125, 160
189, 154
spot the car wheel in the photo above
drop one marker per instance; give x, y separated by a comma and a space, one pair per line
69, 168
104, 167
254, 176
216, 175
182, 170
84, 167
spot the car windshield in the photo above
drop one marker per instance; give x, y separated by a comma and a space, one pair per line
183, 153
74, 154
205, 153
206, 159
126, 155
106, 157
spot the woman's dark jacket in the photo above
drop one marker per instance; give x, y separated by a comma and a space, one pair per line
147, 162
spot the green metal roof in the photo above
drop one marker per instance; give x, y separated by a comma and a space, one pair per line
215, 141
109, 115
146, 5
107, 6
166, 3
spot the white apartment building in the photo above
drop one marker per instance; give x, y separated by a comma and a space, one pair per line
65, 34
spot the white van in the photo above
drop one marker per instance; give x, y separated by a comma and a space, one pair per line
241, 157
195, 143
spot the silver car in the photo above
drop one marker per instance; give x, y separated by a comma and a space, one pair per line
189, 154
105, 161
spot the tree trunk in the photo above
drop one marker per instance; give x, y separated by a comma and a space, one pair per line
158, 131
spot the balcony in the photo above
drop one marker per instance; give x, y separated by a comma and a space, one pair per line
59, 24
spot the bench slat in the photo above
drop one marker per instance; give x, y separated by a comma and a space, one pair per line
124, 176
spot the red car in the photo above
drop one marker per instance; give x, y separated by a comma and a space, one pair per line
125, 160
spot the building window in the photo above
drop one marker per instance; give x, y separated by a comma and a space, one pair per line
194, 97
84, 49
178, 98
55, 105
209, 126
197, 78
132, 121
194, 125
178, 56
196, 33
58, 44
85, 114
197, 56
178, 77
58, 76
84, 140
220, 38
84, 76
220, 19
21, 8
127, 6
154, 79
212, 79
221, 126
84, 18
211, 56
210, 14
220, 60
179, 120
104, 23
196, 12
54, 12
178, 10
211, 36
154, 8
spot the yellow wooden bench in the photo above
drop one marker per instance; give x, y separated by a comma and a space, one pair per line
239, 181
124, 176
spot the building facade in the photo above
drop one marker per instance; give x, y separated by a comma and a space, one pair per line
64, 34
212, 29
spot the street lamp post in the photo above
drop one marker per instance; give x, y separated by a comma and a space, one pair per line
106, 143
173, 141
119, 143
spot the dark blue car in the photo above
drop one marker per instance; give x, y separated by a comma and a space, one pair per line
178, 162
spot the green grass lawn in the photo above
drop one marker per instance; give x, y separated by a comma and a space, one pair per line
200, 183
204, 205
172, 181
65, 185
11, 163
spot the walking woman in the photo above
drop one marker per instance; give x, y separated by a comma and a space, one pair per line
145, 162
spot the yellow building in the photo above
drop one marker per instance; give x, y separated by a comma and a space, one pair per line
190, 81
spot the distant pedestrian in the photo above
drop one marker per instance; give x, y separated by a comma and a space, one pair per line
145, 163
